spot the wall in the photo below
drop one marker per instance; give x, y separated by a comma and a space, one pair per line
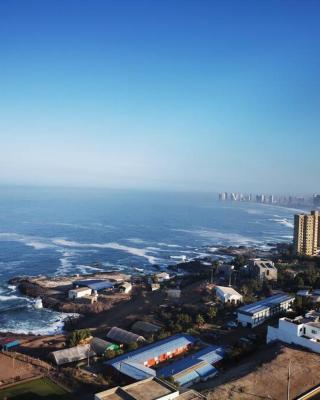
287, 337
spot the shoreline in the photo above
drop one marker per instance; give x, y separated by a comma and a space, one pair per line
53, 291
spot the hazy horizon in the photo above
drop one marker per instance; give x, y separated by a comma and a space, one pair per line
191, 96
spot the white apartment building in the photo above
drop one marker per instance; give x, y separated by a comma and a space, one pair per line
299, 331
227, 294
255, 314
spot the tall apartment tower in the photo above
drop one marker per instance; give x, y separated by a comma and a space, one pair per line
306, 238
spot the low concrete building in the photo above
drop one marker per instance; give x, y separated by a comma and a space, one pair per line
255, 314
125, 287
263, 269
227, 294
299, 331
148, 389
77, 293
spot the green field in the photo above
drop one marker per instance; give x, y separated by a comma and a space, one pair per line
39, 389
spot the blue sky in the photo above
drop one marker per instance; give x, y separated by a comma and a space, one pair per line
170, 94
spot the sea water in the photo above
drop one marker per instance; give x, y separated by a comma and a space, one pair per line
54, 232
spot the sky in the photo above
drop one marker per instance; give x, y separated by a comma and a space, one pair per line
161, 94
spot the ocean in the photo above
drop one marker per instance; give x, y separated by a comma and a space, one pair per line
54, 231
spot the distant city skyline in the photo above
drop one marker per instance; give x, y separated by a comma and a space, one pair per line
185, 95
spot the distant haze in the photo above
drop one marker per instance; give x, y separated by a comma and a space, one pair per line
171, 94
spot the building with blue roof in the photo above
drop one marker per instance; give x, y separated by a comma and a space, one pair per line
194, 367
254, 314
151, 355
94, 284
139, 364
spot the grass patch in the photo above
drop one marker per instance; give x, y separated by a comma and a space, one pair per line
39, 389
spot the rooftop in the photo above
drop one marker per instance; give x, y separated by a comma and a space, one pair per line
265, 303
228, 290
132, 364
148, 389
190, 395
194, 366
123, 336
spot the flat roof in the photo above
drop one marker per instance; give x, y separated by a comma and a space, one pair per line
190, 395
264, 304
148, 389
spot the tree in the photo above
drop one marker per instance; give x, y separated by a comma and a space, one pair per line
76, 337
212, 313
110, 354
132, 346
200, 320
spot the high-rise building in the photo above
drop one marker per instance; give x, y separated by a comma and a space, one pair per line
306, 238
316, 200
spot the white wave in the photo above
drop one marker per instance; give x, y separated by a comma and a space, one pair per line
214, 235
10, 297
112, 245
253, 211
27, 327
168, 245
136, 240
87, 269
283, 221
32, 241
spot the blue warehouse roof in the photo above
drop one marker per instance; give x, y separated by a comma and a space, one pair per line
94, 284
265, 304
156, 349
203, 358
138, 357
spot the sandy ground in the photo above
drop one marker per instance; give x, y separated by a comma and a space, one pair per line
12, 369
265, 376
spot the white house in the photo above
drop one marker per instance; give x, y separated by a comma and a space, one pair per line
255, 314
297, 331
79, 292
162, 276
125, 287
228, 295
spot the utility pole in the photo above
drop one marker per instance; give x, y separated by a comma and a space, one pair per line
89, 356
289, 381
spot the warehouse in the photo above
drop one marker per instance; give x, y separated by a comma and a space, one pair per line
195, 367
124, 337
256, 313
100, 346
145, 328
137, 364
73, 354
